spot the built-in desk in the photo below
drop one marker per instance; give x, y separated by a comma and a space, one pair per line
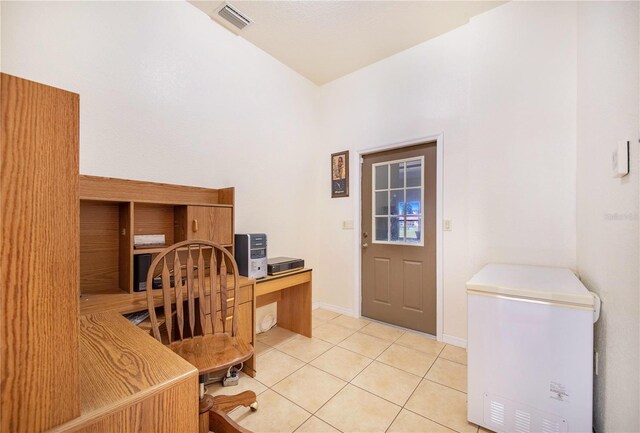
99, 301
131, 382
292, 292
118, 301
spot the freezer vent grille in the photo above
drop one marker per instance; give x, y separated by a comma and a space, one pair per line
503, 414
523, 422
549, 426
497, 413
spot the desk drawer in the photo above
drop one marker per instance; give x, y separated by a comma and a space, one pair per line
246, 295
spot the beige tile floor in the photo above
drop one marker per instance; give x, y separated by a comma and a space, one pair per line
354, 376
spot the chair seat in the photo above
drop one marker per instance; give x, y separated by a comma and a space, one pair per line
213, 352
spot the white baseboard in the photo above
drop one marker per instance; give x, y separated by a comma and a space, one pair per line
454, 341
334, 308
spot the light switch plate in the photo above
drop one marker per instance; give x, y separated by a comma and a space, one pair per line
347, 225
620, 159
446, 225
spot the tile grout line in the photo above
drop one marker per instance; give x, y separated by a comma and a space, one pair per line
343, 387
424, 378
433, 363
313, 414
446, 386
371, 359
379, 396
451, 360
432, 420
350, 382
393, 420
376, 359
432, 381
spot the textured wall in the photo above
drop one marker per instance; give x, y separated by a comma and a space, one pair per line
607, 207
502, 90
167, 95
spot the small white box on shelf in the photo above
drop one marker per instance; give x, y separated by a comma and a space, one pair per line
148, 240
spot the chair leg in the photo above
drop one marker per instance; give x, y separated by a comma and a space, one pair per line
226, 403
213, 412
219, 420
206, 403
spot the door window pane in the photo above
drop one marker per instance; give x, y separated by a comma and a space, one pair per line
382, 203
396, 229
382, 228
382, 176
413, 230
414, 173
414, 201
396, 203
396, 173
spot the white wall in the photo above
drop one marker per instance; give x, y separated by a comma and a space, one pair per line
168, 95
502, 90
607, 208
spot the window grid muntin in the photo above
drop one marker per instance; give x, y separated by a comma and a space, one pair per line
388, 215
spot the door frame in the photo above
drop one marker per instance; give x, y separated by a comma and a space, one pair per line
439, 139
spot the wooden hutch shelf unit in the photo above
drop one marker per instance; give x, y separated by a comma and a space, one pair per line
112, 211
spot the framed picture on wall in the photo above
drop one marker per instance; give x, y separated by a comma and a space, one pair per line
340, 174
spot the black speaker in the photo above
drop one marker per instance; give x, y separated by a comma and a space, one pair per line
141, 264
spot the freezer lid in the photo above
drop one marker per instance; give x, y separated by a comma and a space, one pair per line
559, 285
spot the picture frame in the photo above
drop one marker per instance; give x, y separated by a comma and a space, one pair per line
340, 174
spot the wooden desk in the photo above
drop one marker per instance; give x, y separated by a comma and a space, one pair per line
293, 293
130, 381
118, 301
92, 302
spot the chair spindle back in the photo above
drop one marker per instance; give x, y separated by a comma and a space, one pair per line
200, 281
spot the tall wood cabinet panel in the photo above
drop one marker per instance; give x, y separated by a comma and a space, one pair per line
40, 256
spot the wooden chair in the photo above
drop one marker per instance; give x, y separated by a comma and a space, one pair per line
206, 341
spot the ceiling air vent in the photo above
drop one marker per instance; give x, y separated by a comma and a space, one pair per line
234, 16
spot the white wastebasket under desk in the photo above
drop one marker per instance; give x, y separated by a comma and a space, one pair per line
530, 350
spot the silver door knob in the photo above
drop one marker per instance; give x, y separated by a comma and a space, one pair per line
365, 245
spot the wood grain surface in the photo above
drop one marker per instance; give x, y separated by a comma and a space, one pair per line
121, 302
169, 411
99, 245
154, 219
112, 189
120, 361
275, 283
293, 292
131, 382
213, 352
40, 255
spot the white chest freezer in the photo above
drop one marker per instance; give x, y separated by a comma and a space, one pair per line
530, 349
